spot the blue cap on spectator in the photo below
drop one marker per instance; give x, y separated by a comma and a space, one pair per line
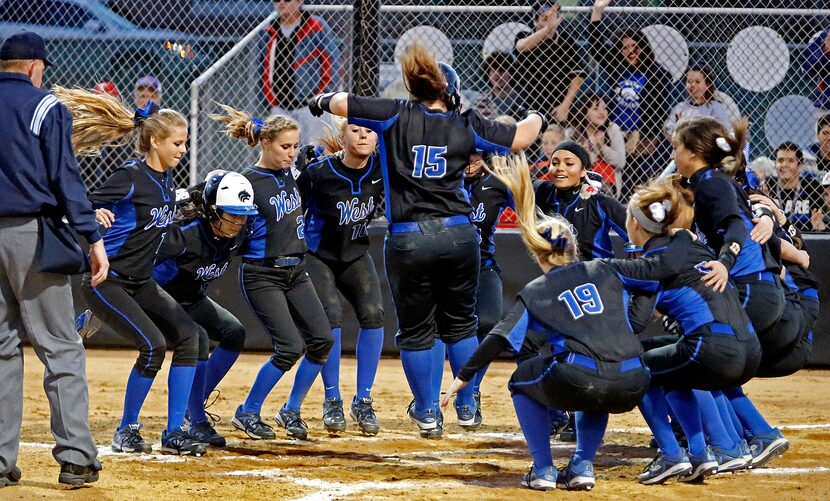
542, 7
149, 82
24, 45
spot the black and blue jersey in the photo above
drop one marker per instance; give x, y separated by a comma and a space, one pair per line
723, 214
191, 257
339, 203
423, 154
278, 230
144, 203
591, 218
489, 197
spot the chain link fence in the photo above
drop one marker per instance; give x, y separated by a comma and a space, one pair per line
618, 85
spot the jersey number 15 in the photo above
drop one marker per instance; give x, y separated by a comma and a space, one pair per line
583, 300
429, 161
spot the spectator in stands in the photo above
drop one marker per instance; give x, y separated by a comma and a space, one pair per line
502, 98
820, 217
301, 59
700, 101
639, 87
106, 88
816, 65
601, 138
822, 149
764, 170
147, 88
550, 65
798, 195
551, 138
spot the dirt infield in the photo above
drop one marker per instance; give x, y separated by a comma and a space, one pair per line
396, 464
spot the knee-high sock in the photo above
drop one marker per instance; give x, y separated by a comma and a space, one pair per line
533, 418
219, 363
590, 428
725, 411
746, 411
736, 421
369, 348
685, 407
196, 401
330, 373
138, 387
459, 353
417, 365
265, 380
306, 374
713, 425
179, 384
438, 354
655, 411
479, 377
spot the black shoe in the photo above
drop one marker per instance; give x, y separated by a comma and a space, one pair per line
363, 412
568, 433
180, 442
334, 420
75, 474
205, 433
128, 439
292, 422
251, 423
10, 478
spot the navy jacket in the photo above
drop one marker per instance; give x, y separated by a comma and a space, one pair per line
38, 172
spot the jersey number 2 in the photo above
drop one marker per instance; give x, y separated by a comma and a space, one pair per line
583, 300
429, 161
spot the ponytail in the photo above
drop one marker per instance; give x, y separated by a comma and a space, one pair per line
657, 205
421, 74
708, 138
241, 125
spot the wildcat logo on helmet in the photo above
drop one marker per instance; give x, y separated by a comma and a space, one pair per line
244, 196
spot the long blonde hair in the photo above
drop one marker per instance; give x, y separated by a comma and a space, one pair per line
241, 125
332, 140
548, 239
100, 120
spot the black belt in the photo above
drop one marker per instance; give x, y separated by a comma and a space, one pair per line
277, 262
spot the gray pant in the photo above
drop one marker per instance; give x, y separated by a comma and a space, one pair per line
39, 306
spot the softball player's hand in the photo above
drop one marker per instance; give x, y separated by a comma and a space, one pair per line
762, 231
98, 262
456, 386
718, 276
104, 217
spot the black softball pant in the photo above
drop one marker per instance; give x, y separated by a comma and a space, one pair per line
576, 383
702, 360
142, 312
357, 281
763, 299
433, 274
215, 324
489, 300
286, 304
800, 315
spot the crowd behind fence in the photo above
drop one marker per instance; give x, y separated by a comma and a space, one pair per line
617, 79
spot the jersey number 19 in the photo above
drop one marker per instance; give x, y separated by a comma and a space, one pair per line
583, 300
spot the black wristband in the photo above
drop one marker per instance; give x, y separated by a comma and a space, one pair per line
729, 254
542, 116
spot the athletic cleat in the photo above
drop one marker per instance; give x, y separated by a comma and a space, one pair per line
333, 418
251, 423
87, 324
77, 475
292, 422
662, 468
468, 418
128, 439
540, 479
576, 477
479, 415
181, 442
11, 478
363, 413
767, 446
702, 467
558, 421
428, 424
746, 453
205, 433
730, 461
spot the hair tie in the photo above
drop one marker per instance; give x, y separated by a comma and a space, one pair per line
258, 123
143, 114
723, 144
658, 210
559, 242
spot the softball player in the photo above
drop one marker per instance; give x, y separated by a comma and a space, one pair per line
273, 274
195, 252
137, 204
431, 252
341, 193
724, 221
595, 367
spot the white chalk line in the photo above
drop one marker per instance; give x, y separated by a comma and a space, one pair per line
789, 471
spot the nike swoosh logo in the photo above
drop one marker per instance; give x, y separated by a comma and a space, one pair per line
376, 181
581, 208
486, 188
234, 247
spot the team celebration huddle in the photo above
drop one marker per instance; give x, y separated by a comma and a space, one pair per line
708, 256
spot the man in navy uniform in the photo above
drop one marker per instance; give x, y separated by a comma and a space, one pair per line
38, 177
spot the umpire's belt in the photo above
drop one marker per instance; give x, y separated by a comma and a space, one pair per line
590, 363
277, 262
414, 226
